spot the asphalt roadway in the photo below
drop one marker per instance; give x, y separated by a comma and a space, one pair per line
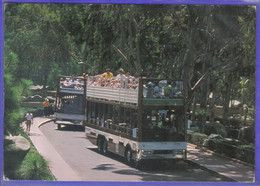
70, 142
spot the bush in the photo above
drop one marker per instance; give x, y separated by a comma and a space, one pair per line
216, 128
34, 167
246, 153
232, 133
197, 138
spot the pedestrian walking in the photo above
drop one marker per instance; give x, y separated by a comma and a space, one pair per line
29, 121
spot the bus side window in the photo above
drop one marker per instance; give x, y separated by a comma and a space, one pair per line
109, 117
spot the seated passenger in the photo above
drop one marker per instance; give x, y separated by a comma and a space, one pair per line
150, 90
162, 84
157, 91
168, 91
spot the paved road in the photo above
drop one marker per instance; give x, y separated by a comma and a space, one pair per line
89, 165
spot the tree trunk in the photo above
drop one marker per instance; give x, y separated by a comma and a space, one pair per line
194, 108
131, 41
226, 98
212, 108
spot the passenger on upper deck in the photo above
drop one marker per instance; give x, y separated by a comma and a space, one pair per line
121, 78
107, 74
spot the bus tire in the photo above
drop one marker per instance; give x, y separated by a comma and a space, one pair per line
102, 145
99, 144
128, 155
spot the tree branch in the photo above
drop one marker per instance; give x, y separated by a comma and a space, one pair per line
120, 52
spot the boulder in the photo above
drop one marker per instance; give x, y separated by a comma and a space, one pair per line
15, 149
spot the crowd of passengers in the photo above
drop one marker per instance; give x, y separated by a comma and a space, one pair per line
161, 89
72, 83
107, 79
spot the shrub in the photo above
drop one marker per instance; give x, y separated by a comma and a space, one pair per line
216, 128
197, 138
210, 129
246, 153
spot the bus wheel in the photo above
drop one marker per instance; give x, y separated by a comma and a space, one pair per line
128, 155
99, 145
104, 147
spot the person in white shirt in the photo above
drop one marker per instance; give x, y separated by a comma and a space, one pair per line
29, 121
121, 78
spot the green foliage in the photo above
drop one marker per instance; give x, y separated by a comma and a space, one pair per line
216, 128
34, 167
197, 138
175, 42
233, 149
13, 96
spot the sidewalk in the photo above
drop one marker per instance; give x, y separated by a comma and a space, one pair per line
226, 167
59, 168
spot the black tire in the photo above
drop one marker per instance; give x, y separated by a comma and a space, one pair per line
59, 126
99, 145
102, 146
129, 156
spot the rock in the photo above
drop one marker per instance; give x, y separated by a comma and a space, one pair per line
17, 144
215, 136
15, 149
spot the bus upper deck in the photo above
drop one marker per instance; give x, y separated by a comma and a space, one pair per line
145, 91
72, 85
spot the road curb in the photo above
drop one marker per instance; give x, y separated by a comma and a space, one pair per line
209, 170
51, 119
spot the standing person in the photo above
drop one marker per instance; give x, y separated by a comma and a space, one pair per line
46, 105
121, 78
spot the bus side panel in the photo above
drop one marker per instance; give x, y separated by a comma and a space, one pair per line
111, 145
121, 149
91, 136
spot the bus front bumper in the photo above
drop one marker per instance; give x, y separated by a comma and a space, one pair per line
160, 154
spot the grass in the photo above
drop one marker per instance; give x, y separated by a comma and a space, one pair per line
34, 167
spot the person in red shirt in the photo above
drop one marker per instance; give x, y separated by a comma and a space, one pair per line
46, 105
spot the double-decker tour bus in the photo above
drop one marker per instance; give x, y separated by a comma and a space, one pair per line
138, 119
70, 101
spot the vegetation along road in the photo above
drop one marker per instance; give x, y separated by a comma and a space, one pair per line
88, 164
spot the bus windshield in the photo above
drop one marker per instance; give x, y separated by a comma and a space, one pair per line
162, 125
70, 104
